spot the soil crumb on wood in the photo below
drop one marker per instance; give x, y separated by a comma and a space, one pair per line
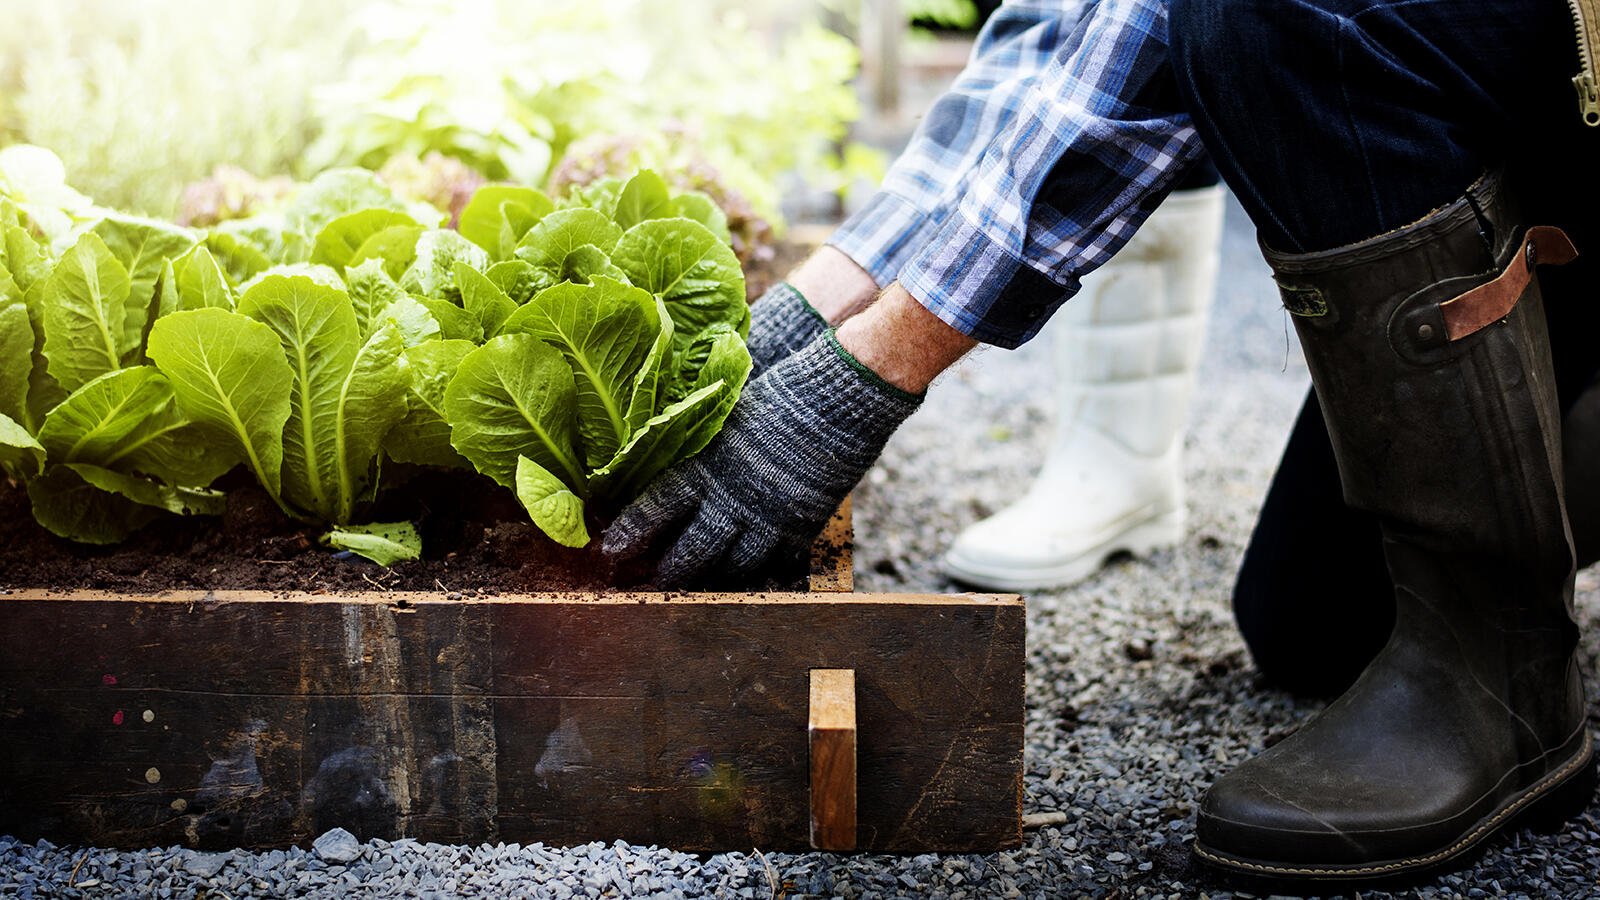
476, 541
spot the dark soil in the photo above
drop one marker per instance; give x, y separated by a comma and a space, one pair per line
476, 541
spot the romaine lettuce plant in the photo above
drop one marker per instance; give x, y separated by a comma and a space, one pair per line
568, 350
611, 331
93, 431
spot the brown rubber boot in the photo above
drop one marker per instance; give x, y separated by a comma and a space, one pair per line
1429, 353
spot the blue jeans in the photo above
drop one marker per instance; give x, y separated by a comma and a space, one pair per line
1339, 120
1336, 120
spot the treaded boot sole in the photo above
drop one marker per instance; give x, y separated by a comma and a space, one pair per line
1546, 806
1165, 530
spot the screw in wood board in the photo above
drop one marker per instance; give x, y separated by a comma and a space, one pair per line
833, 759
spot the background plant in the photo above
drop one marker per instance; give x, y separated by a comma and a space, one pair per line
140, 99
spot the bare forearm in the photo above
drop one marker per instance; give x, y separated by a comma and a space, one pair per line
902, 342
833, 284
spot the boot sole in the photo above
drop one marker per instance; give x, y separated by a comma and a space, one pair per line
1545, 807
1142, 539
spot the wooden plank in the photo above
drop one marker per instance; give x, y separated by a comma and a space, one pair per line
246, 719
833, 554
832, 735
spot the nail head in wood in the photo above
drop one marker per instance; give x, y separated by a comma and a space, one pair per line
833, 759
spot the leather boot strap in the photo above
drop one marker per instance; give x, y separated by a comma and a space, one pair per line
1491, 302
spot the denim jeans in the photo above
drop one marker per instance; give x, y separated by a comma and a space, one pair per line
1338, 120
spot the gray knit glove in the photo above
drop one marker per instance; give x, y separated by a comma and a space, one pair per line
797, 442
781, 322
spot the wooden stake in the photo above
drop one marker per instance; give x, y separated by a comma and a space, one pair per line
833, 759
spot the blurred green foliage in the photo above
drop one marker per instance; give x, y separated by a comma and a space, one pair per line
141, 98
956, 15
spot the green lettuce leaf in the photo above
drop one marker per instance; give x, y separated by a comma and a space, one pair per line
22, 258
320, 274
335, 193
130, 421
200, 281
423, 436
143, 247
660, 443
178, 500
346, 394
727, 364
691, 270
684, 378
16, 362
653, 380
483, 298
371, 291
239, 258
433, 274
340, 240
512, 397
684, 427
601, 196
395, 248
411, 319
644, 197
95, 422
229, 375
383, 543
606, 331
517, 279
455, 323
20, 455
554, 508
86, 314
697, 206
568, 243
275, 241
517, 221
70, 507
484, 215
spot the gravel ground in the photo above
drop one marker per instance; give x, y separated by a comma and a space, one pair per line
1139, 689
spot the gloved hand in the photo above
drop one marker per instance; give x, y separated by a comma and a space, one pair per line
781, 322
799, 440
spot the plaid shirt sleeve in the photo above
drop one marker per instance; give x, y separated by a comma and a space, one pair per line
1094, 143
926, 181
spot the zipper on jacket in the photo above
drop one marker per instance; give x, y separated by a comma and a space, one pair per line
1586, 17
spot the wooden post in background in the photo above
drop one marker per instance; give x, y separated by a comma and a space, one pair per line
833, 759
883, 32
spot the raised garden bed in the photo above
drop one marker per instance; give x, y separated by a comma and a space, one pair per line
189, 421
222, 718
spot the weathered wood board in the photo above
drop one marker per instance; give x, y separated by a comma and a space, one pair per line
246, 719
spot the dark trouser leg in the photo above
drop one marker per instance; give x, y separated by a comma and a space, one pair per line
1313, 598
1446, 431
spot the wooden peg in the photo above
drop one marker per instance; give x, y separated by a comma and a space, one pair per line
833, 759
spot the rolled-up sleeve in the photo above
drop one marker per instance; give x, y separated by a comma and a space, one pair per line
1094, 145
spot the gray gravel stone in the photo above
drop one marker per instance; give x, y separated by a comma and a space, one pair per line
337, 846
205, 865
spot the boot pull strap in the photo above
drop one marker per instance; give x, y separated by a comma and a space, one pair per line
1488, 303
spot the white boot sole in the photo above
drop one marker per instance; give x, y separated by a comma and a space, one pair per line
1138, 540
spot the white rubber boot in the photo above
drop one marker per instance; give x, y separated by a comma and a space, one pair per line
1126, 352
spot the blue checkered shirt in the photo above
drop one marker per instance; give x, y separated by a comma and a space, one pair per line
1059, 138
